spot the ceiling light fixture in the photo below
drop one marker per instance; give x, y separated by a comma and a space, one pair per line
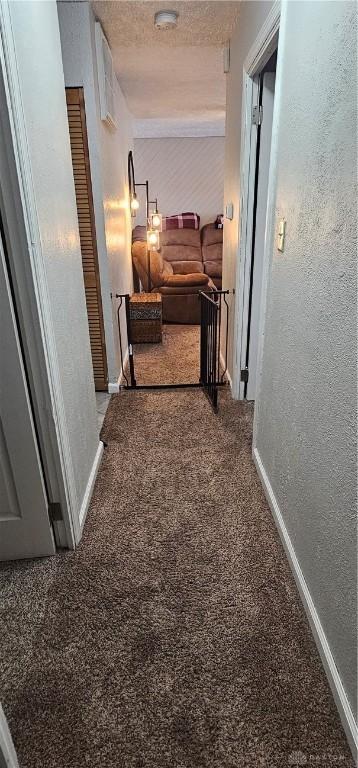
166, 19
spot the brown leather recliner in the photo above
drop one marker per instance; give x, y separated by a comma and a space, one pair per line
182, 249
212, 253
178, 286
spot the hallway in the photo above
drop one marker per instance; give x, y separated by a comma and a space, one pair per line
174, 636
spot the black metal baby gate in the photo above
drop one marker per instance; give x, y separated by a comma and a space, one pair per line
211, 362
213, 338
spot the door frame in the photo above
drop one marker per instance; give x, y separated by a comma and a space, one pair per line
26, 529
262, 49
7, 749
19, 208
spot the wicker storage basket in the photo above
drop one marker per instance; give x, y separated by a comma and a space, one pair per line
145, 311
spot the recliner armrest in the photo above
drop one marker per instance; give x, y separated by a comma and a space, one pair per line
184, 281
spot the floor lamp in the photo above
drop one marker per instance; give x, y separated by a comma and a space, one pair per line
154, 221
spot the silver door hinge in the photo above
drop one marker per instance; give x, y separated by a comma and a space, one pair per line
55, 511
257, 115
244, 375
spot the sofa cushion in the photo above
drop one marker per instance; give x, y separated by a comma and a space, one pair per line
139, 233
189, 237
180, 253
186, 267
213, 252
182, 290
213, 268
182, 281
210, 234
181, 245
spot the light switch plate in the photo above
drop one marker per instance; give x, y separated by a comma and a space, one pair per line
281, 235
229, 211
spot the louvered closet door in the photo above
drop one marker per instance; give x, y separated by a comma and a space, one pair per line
85, 212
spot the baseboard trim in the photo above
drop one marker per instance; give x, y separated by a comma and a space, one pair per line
115, 386
7, 749
222, 363
90, 485
332, 673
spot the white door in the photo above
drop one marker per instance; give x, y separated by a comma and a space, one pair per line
25, 529
268, 93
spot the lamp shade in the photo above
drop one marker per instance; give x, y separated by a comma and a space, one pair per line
134, 204
156, 221
153, 240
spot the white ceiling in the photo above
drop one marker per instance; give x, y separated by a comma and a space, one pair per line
173, 80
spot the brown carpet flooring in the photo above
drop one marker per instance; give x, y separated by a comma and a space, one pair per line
174, 361
174, 636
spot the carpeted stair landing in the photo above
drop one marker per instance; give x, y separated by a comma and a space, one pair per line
174, 636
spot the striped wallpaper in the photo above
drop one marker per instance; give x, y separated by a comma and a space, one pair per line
185, 174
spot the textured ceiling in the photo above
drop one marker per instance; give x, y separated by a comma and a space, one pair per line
131, 22
174, 76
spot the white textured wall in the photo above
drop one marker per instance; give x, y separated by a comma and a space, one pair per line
37, 40
184, 174
114, 148
108, 150
306, 413
251, 19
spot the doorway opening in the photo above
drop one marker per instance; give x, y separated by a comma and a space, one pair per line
185, 355
264, 117
256, 216
177, 261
